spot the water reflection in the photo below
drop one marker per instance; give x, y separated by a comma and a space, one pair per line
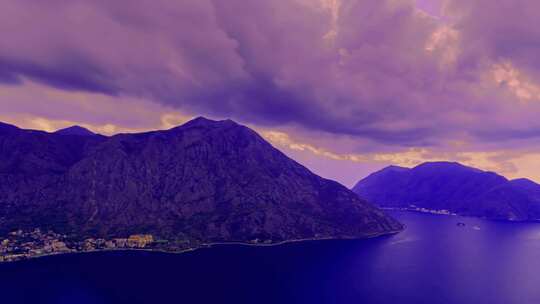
434, 261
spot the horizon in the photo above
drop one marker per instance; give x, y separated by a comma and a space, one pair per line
350, 186
345, 96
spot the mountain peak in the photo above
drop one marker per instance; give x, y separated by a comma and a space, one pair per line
394, 168
75, 130
450, 187
448, 165
202, 120
206, 122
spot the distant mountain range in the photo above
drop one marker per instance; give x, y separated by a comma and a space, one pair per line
447, 187
205, 181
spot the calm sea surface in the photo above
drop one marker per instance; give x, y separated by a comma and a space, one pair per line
434, 261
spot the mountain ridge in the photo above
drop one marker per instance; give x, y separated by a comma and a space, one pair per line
205, 181
454, 188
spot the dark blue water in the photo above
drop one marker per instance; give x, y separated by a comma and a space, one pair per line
433, 261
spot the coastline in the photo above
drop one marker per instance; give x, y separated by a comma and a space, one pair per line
203, 245
448, 213
421, 210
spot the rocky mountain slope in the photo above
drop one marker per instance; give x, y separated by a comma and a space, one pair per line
452, 187
205, 181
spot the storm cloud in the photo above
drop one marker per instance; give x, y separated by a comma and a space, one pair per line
378, 70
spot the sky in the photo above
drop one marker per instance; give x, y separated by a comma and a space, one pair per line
344, 87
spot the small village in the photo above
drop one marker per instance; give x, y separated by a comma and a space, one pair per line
21, 245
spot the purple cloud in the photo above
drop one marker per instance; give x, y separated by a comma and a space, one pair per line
375, 69
498, 30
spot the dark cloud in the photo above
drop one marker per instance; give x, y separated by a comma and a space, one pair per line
377, 69
8, 77
69, 73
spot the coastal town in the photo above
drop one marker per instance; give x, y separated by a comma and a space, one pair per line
21, 245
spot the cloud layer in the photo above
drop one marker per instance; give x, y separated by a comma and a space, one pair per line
381, 74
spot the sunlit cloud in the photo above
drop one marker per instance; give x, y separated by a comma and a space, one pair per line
333, 6
510, 163
36, 106
507, 76
284, 140
444, 42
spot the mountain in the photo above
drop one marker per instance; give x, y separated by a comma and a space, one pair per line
454, 188
527, 185
75, 130
7, 128
203, 182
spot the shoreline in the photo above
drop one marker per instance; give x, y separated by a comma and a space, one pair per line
421, 210
438, 212
204, 245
